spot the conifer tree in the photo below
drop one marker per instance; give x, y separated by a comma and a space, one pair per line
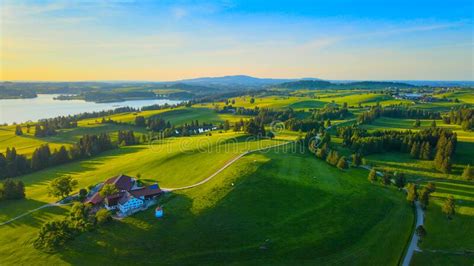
468, 173
415, 150
372, 175
425, 152
411, 193
342, 163
449, 207
18, 130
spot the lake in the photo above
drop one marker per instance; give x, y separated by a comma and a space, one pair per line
44, 106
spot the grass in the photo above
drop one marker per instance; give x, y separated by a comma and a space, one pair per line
446, 240
268, 208
450, 235
27, 143
171, 162
463, 156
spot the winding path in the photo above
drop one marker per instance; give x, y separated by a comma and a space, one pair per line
222, 168
414, 239
55, 204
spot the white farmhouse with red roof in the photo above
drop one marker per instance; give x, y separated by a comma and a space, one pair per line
130, 197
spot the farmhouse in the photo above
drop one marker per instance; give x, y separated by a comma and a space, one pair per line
131, 196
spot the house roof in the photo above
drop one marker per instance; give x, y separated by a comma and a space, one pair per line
125, 197
95, 199
114, 199
124, 184
121, 182
146, 191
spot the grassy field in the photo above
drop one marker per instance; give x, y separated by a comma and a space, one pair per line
446, 240
171, 162
269, 207
464, 96
27, 143
464, 153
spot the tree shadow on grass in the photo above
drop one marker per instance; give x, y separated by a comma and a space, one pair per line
262, 216
34, 219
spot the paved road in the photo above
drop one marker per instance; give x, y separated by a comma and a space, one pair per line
414, 239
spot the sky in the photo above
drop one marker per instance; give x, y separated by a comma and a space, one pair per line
79, 40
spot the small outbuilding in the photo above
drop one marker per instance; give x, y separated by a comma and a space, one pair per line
158, 212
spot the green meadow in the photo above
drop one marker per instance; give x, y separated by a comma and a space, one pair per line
170, 162
269, 207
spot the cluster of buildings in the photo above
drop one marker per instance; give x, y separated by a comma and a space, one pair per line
416, 97
130, 197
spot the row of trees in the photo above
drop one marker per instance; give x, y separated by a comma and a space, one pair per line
422, 144
462, 116
127, 138
304, 125
319, 146
398, 111
14, 164
386, 178
44, 130
331, 111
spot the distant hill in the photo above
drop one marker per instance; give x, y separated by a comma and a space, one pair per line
377, 85
322, 84
306, 84
233, 81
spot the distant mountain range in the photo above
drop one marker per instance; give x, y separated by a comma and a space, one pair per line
243, 81
236, 81
248, 82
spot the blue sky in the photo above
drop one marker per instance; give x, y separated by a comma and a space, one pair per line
167, 40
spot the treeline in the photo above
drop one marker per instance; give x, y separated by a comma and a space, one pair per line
158, 124
396, 112
14, 164
331, 111
427, 144
265, 115
304, 125
461, 116
318, 144
12, 190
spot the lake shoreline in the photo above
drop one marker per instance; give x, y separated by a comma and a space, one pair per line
45, 106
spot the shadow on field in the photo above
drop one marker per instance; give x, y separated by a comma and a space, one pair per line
277, 212
75, 167
34, 219
464, 153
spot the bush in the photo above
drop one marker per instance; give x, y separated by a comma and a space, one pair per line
103, 216
342, 163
